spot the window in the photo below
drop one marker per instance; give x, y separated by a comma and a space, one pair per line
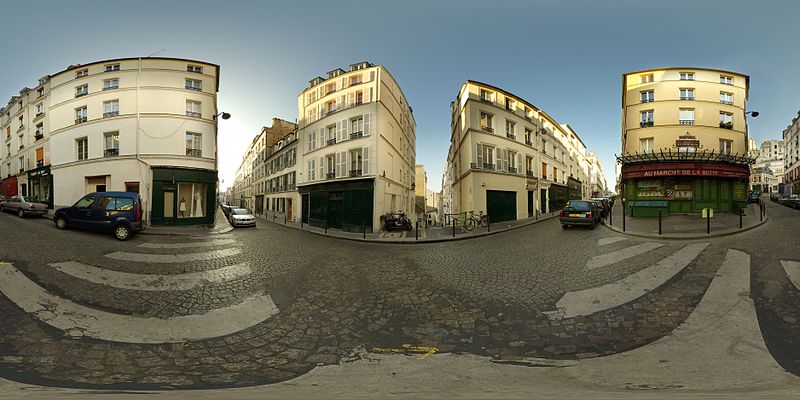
331, 134
191, 200
85, 202
194, 68
80, 115
21, 119
132, 187
330, 163
110, 84
686, 116
510, 130
725, 146
110, 108
725, 120
555, 173
646, 145
312, 170
39, 131
193, 109
82, 146
357, 127
687, 76
486, 95
488, 157
544, 170
40, 92
359, 98
510, 104
726, 80
486, 122
330, 88
81, 90
330, 106
194, 144
112, 67
81, 73
111, 144
528, 137
356, 160
647, 118
647, 78
687, 94
726, 98
648, 96
21, 164
194, 84
512, 162
39, 109
355, 79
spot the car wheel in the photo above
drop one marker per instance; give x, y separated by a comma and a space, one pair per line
122, 232
61, 223
564, 226
21, 213
592, 225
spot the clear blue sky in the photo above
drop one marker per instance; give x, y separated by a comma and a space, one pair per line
565, 57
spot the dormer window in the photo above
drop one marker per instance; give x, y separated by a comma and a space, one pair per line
194, 68
112, 67
81, 73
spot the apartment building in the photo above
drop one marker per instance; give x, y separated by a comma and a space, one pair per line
684, 140
508, 158
357, 139
766, 174
597, 185
146, 125
791, 162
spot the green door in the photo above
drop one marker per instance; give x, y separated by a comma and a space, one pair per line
501, 205
335, 209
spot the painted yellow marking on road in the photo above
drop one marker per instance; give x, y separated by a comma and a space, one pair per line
424, 351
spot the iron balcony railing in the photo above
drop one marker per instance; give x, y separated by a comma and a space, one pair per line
687, 97
645, 124
194, 114
488, 166
726, 125
330, 175
194, 152
110, 114
331, 141
80, 120
529, 173
512, 170
687, 122
726, 101
488, 129
356, 135
511, 136
80, 94
355, 172
648, 100
110, 152
110, 87
190, 87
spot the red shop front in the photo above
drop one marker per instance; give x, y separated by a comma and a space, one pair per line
10, 186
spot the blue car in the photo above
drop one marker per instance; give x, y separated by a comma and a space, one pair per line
117, 212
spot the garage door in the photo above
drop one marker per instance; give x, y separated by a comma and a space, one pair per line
501, 205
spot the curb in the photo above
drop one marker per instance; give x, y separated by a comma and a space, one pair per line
422, 241
673, 236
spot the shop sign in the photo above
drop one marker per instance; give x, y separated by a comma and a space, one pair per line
41, 172
685, 169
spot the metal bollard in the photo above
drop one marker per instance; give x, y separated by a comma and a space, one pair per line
416, 232
488, 224
326, 227
611, 216
761, 212
659, 222
284, 220
741, 211
708, 222
301, 223
454, 227
623, 216
273, 217
364, 228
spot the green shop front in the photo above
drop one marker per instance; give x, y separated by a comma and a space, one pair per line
345, 205
183, 196
685, 187
40, 185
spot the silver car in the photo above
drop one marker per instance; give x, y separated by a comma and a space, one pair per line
24, 206
242, 217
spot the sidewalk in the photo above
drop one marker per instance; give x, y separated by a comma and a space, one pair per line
429, 235
221, 225
685, 226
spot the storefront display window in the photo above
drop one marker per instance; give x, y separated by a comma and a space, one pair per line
191, 200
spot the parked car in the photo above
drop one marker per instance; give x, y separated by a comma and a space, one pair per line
793, 201
242, 217
604, 205
226, 209
23, 205
3, 199
117, 212
753, 197
774, 197
579, 212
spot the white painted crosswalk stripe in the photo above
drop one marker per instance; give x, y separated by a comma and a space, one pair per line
173, 258
151, 282
592, 300
217, 242
621, 255
792, 269
609, 240
77, 320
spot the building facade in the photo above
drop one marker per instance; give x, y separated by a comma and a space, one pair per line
791, 161
766, 175
508, 158
146, 125
684, 140
358, 149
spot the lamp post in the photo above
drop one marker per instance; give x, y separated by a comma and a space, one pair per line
216, 150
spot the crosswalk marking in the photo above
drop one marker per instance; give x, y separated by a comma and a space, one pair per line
77, 320
151, 282
216, 242
592, 300
609, 240
792, 269
173, 258
620, 255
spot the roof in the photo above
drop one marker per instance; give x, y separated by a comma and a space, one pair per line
746, 77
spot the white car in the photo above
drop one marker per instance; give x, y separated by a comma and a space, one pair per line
242, 217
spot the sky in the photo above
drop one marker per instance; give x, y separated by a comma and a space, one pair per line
566, 57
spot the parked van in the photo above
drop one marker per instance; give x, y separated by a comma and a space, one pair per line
117, 212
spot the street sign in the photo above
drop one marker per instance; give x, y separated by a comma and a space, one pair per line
708, 213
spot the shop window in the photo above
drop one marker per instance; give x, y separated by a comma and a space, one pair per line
191, 200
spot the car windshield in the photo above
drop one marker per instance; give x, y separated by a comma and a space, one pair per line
579, 206
240, 211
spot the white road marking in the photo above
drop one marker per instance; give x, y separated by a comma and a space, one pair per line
151, 282
592, 300
620, 255
172, 258
77, 320
710, 350
609, 240
792, 269
216, 242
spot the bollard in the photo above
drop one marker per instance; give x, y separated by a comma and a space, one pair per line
623, 215
488, 224
326, 227
454, 227
659, 222
273, 217
761, 212
284, 220
364, 228
611, 216
416, 232
708, 222
741, 211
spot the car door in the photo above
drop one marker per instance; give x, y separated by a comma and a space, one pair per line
79, 213
102, 213
12, 204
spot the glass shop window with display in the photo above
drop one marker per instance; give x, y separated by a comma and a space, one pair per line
191, 200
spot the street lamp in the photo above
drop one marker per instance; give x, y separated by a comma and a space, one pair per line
228, 116
752, 113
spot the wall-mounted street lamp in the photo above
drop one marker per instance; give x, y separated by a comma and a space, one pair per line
224, 115
752, 113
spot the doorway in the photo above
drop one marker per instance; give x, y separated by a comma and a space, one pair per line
169, 204
543, 200
289, 209
304, 208
530, 203
335, 207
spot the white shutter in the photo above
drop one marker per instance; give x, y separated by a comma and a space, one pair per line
365, 160
479, 156
321, 169
347, 162
367, 124
367, 95
342, 102
310, 137
342, 83
321, 138
308, 172
351, 99
339, 131
343, 164
337, 166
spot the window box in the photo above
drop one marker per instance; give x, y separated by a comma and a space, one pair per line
81, 94
194, 152
510, 136
330, 175
645, 124
687, 122
331, 141
110, 88
110, 114
355, 172
488, 166
111, 153
194, 114
726, 125
80, 120
356, 135
726, 102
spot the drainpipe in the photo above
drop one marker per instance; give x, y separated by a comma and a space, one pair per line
138, 127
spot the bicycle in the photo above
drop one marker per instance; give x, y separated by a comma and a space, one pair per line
473, 221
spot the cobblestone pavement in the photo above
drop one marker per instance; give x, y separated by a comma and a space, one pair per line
339, 301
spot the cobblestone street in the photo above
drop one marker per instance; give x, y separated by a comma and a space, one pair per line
268, 304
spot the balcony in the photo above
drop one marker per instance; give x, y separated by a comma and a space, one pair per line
80, 120
729, 102
110, 88
355, 173
110, 114
511, 136
645, 124
356, 135
687, 97
487, 129
648, 100
726, 125
330, 175
331, 141
529, 173
111, 153
686, 122
80, 94
194, 152
488, 166
190, 87
39, 163
38, 136
194, 114
512, 170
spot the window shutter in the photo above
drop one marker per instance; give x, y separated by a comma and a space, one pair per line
321, 169
367, 95
365, 160
321, 138
351, 99
309, 178
479, 156
342, 83
346, 160
339, 131
342, 102
343, 164
367, 124
337, 166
